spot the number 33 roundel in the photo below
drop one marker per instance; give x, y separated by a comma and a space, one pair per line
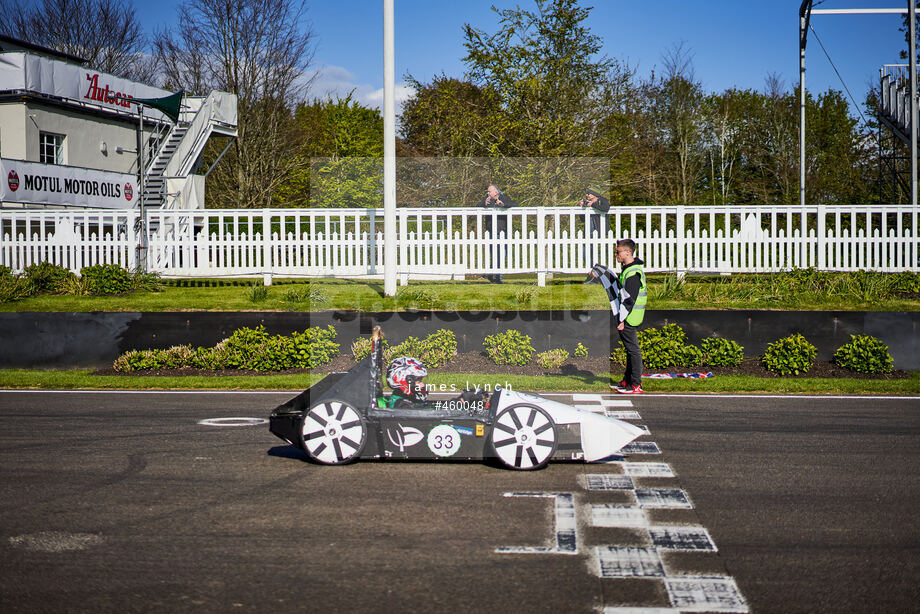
444, 440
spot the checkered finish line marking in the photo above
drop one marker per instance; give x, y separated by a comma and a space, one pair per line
705, 594
686, 593
566, 537
647, 470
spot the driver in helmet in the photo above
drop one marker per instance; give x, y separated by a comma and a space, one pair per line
404, 376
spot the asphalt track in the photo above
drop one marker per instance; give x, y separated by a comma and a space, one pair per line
124, 502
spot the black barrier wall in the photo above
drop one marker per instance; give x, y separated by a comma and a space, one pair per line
93, 340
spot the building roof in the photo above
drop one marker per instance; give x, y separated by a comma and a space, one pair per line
9, 43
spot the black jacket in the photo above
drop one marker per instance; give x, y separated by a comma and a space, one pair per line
501, 220
602, 205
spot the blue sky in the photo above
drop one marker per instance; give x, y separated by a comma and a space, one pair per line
734, 43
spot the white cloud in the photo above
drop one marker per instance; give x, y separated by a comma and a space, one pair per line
334, 81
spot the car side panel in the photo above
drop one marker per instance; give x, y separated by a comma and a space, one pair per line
414, 434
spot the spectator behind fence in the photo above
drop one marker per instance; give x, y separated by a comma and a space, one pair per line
597, 203
601, 205
493, 199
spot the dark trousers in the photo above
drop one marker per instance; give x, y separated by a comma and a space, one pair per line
595, 223
630, 338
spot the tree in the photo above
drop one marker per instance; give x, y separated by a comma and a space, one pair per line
725, 126
106, 33
840, 158
340, 155
259, 50
553, 88
452, 117
679, 112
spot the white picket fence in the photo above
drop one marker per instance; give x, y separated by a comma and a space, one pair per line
450, 243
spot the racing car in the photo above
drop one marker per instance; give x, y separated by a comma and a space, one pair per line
345, 416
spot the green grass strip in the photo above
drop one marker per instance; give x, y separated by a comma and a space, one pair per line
518, 292
455, 382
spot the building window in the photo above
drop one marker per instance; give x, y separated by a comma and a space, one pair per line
50, 148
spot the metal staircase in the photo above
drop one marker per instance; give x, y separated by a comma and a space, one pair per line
894, 103
154, 180
179, 152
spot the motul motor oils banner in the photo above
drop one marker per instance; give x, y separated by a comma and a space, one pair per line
51, 184
22, 71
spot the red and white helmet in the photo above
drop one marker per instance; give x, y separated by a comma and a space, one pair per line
404, 376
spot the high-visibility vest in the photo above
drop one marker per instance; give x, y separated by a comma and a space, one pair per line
637, 314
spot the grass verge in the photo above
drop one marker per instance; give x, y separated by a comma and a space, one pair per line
519, 292
79, 380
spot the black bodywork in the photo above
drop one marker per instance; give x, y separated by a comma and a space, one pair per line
416, 432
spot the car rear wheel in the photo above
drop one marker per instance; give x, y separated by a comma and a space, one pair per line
333, 433
523, 437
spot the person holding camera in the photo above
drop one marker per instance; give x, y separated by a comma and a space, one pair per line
601, 205
493, 199
597, 203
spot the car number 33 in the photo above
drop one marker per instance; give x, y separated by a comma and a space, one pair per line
444, 440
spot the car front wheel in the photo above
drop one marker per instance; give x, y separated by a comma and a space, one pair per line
523, 437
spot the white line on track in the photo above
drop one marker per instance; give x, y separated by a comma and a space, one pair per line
292, 392
545, 394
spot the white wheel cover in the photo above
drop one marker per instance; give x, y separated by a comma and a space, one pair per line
523, 437
333, 433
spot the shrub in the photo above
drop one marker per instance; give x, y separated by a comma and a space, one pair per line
313, 347
148, 282
864, 354
906, 283
213, 359
434, 351
257, 292
315, 295
275, 353
177, 356
553, 359
246, 348
671, 287
418, 298
105, 279
525, 295
137, 360
294, 295
242, 345
689, 356
720, 352
45, 277
361, 348
869, 285
410, 346
659, 352
12, 287
77, 286
790, 355
662, 347
580, 350
439, 348
509, 348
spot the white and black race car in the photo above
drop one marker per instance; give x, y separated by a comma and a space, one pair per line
343, 417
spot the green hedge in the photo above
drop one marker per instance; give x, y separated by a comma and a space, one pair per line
250, 349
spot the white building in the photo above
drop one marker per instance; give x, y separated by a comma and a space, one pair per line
69, 136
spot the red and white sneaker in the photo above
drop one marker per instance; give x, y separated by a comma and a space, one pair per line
636, 389
617, 387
